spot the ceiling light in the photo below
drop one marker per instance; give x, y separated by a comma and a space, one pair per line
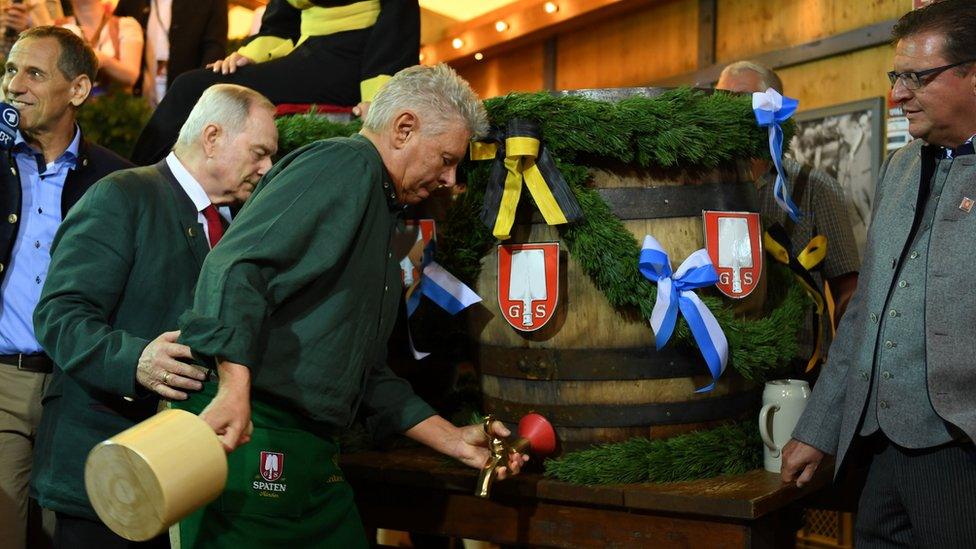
551, 7
457, 43
479, 56
501, 26
421, 57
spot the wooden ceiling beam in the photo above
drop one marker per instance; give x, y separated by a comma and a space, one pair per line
525, 19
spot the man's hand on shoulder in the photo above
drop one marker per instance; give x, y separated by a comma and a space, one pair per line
800, 462
161, 371
229, 413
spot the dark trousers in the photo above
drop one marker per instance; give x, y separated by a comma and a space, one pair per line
918, 498
80, 533
323, 69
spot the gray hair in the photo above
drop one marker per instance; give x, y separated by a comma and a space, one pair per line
768, 78
437, 93
227, 105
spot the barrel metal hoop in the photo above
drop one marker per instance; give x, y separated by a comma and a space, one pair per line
590, 364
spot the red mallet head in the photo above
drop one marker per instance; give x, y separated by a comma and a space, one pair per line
539, 432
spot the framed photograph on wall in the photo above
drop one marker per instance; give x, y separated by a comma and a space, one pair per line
846, 142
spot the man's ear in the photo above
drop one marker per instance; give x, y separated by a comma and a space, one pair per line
81, 87
405, 125
209, 137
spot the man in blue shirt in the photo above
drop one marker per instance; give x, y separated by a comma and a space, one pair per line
47, 77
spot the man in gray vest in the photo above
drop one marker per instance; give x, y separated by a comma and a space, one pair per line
900, 379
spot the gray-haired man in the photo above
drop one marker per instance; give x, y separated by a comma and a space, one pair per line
123, 268
818, 196
298, 302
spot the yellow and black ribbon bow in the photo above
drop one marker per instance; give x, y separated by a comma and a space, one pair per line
778, 244
520, 155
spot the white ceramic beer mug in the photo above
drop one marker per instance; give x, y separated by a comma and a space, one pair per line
783, 402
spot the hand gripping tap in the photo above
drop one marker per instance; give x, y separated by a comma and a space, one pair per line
536, 436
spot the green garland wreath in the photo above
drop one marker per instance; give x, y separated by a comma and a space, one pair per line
680, 128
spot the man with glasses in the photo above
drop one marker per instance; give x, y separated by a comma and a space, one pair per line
899, 382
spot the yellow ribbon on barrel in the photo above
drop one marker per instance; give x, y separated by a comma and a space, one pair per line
520, 155
777, 243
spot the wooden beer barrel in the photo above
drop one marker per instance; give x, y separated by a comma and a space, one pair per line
593, 371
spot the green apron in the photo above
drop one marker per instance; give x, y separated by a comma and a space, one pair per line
284, 487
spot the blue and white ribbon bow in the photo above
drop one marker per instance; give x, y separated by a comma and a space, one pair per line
772, 109
439, 286
674, 293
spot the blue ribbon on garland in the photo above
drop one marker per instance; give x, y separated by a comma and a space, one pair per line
674, 293
771, 110
439, 286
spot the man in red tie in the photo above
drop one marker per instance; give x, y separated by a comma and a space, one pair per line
123, 267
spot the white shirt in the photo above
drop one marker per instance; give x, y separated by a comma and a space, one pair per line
194, 190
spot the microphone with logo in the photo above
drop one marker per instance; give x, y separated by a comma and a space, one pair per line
9, 122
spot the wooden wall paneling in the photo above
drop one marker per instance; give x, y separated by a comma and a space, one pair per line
748, 27
498, 74
839, 79
630, 50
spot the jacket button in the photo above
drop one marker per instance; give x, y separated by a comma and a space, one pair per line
914, 255
874, 318
864, 376
12, 218
902, 284
892, 313
886, 375
1, 267
191, 232
889, 344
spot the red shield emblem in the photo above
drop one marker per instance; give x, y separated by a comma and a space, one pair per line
528, 284
734, 243
408, 248
271, 466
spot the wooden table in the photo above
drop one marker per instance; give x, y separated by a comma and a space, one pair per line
420, 491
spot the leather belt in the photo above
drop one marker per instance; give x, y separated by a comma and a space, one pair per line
37, 362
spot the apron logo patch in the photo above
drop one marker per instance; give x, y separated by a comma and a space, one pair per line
270, 466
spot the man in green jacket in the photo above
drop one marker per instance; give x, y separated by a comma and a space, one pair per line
298, 303
123, 267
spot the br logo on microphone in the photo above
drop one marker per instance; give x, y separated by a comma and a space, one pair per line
11, 117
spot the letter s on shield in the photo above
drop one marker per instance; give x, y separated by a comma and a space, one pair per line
734, 244
528, 284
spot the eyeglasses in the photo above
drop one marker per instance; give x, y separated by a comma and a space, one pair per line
915, 80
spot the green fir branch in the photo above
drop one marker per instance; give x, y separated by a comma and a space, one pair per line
728, 449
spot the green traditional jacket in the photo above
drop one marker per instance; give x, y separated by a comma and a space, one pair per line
123, 266
303, 289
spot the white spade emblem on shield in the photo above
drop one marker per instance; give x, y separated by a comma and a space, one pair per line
734, 248
528, 281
